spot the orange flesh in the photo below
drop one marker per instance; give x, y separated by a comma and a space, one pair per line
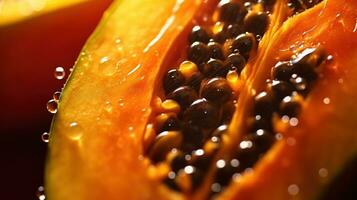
99, 145
117, 136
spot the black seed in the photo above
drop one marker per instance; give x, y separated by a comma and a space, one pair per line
220, 131
235, 62
297, 5
281, 89
198, 34
220, 36
164, 143
184, 96
228, 111
282, 71
259, 122
256, 23
269, 2
244, 43
212, 68
231, 11
247, 154
201, 160
197, 178
215, 50
233, 30
216, 90
170, 182
195, 81
203, 114
171, 124
289, 107
198, 53
172, 80
264, 105
225, 172
178, 162
193, 138
304, 65
262, 140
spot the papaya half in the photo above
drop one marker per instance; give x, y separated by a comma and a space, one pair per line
231, 99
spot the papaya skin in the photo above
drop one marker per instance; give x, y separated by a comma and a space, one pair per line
135, 51
31, 47
96, 136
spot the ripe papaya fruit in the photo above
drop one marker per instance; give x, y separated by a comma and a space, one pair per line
231, 99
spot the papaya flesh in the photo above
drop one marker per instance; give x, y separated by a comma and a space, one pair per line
106, 140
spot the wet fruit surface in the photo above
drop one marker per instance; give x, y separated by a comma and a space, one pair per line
225, 103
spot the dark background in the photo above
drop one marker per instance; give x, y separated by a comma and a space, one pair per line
30, 51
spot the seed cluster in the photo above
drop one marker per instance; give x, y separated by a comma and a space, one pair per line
300, 5
199, 100
291, 82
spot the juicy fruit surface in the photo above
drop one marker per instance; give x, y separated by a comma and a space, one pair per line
117, 133
314, 141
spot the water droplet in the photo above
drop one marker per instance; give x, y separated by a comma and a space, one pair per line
121, 102
285, 119
75, 131
323, 172
293, 189
220, 163
291, 141
171, 175
326, 100
131, 128
104, 60
107, 66
52, 106
108, 107
293, 121
45, 137
258, 37
40, 193
340, 81
329, 58
56, 96
237, 177
189, 169
59, 73
216, 187
279, 136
